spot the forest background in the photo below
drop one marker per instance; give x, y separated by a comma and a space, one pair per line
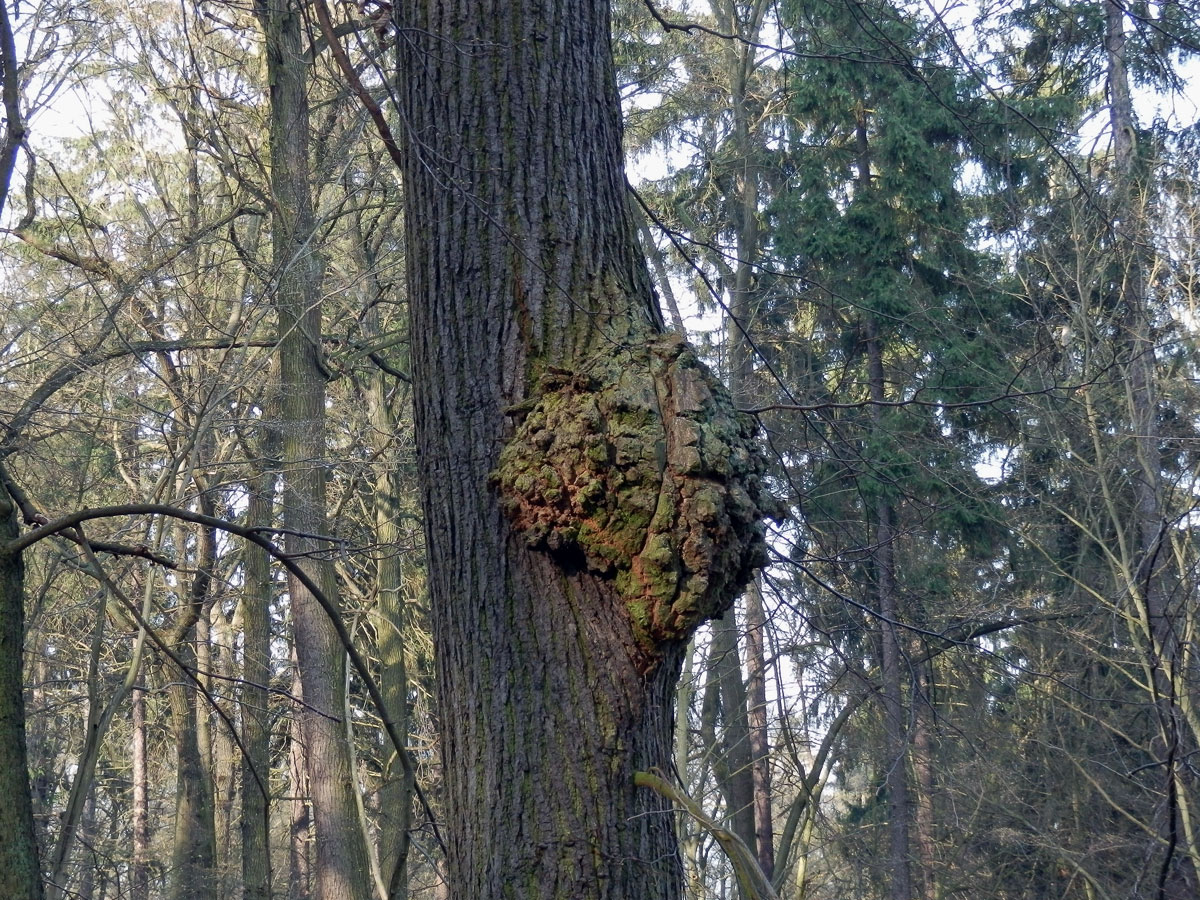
951, 257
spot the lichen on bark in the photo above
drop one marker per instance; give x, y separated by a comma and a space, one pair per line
636, 466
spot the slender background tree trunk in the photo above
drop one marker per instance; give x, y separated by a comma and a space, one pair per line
256, 730
20, 878
340, 866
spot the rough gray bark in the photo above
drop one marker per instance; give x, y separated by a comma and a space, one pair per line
533, 331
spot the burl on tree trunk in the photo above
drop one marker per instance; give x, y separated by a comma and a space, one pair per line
635, 466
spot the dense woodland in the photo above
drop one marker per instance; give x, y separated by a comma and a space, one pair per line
946, 256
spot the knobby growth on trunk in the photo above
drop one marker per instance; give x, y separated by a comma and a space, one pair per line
637, 467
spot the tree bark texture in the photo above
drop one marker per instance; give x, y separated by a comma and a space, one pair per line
559, 625
20, 877
340, 866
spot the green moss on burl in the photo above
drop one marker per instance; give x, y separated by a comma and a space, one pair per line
639, 463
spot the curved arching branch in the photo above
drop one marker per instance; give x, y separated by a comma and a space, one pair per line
72, 520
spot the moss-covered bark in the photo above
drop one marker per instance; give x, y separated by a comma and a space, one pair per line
636, 466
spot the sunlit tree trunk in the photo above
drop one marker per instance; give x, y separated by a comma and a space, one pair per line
226, 780
139, 874
396, 794
300, 855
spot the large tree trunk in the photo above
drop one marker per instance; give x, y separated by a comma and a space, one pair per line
20, 877
567, 574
